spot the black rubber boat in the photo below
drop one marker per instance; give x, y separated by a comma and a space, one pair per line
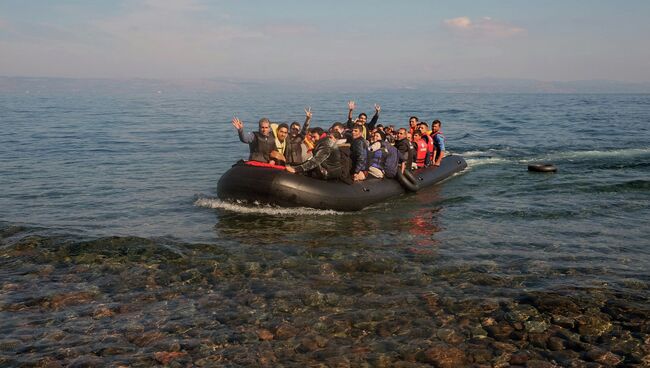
272, 186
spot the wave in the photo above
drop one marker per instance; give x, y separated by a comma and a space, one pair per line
257, 208
627, 152
491, 156
474, 162
628, 186
451, 111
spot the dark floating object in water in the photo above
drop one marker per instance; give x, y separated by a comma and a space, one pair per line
542, 167
278, 187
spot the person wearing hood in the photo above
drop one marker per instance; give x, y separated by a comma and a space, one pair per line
326, 162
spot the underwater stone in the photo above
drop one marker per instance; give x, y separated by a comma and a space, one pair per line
286, 331
555, 343
536, 363
519, 358
478, 332
536, 326
450, 336
500, 331
593, 325
264, 334
444, 356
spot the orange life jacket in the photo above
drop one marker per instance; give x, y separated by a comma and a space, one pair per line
422, 149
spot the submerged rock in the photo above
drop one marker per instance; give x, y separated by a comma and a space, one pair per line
593, 325
603, 357
444, 356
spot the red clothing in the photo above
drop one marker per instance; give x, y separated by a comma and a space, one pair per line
422, 149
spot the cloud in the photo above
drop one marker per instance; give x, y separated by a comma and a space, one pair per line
483, 27
172, 22
289, 29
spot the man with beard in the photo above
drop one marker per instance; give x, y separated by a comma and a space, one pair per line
403, 146
362, 119
294, 151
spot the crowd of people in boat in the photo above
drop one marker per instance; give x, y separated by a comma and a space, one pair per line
351, 151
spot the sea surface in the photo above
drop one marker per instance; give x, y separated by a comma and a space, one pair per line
115, 250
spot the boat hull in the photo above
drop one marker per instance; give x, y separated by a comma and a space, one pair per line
277, 187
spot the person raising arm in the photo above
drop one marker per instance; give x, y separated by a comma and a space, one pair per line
260, 143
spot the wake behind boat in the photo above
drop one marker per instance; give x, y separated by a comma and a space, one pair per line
270, 185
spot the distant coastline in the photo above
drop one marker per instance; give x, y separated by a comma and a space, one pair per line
140, 85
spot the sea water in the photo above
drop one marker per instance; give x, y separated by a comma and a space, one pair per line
114, 248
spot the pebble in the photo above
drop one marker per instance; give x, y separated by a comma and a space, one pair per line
445, 356
165, 357
536, 326
264, 334
450, 336
593, 325
603, 357
519, 358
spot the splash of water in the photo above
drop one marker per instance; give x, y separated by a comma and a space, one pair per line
264, 209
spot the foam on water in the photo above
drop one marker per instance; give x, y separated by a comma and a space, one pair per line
481, 158
630, 152
257, 208
475, 162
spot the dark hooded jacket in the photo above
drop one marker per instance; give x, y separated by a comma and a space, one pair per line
326, 162
359, 155
405, 152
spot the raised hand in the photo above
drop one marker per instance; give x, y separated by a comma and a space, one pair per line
238, 124
308, 112
377, 108
351, 105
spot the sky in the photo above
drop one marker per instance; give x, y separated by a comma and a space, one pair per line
416, 40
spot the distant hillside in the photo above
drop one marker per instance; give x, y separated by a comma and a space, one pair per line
37, 85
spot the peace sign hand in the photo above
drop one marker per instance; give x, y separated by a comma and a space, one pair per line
238, 124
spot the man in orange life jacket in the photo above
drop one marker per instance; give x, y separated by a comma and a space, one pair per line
413, 124
260, 143
421, 149
424, 133
438, 142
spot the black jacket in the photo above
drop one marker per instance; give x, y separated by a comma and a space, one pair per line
359, 155
405, 152
326, 160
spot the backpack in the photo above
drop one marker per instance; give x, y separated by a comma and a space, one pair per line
392, 161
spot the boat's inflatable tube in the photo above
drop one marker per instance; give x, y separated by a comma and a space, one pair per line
408, 181
542, 168
271, 185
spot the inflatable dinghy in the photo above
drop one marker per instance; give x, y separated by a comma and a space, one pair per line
272, 185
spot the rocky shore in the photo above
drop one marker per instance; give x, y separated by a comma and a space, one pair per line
139, 302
